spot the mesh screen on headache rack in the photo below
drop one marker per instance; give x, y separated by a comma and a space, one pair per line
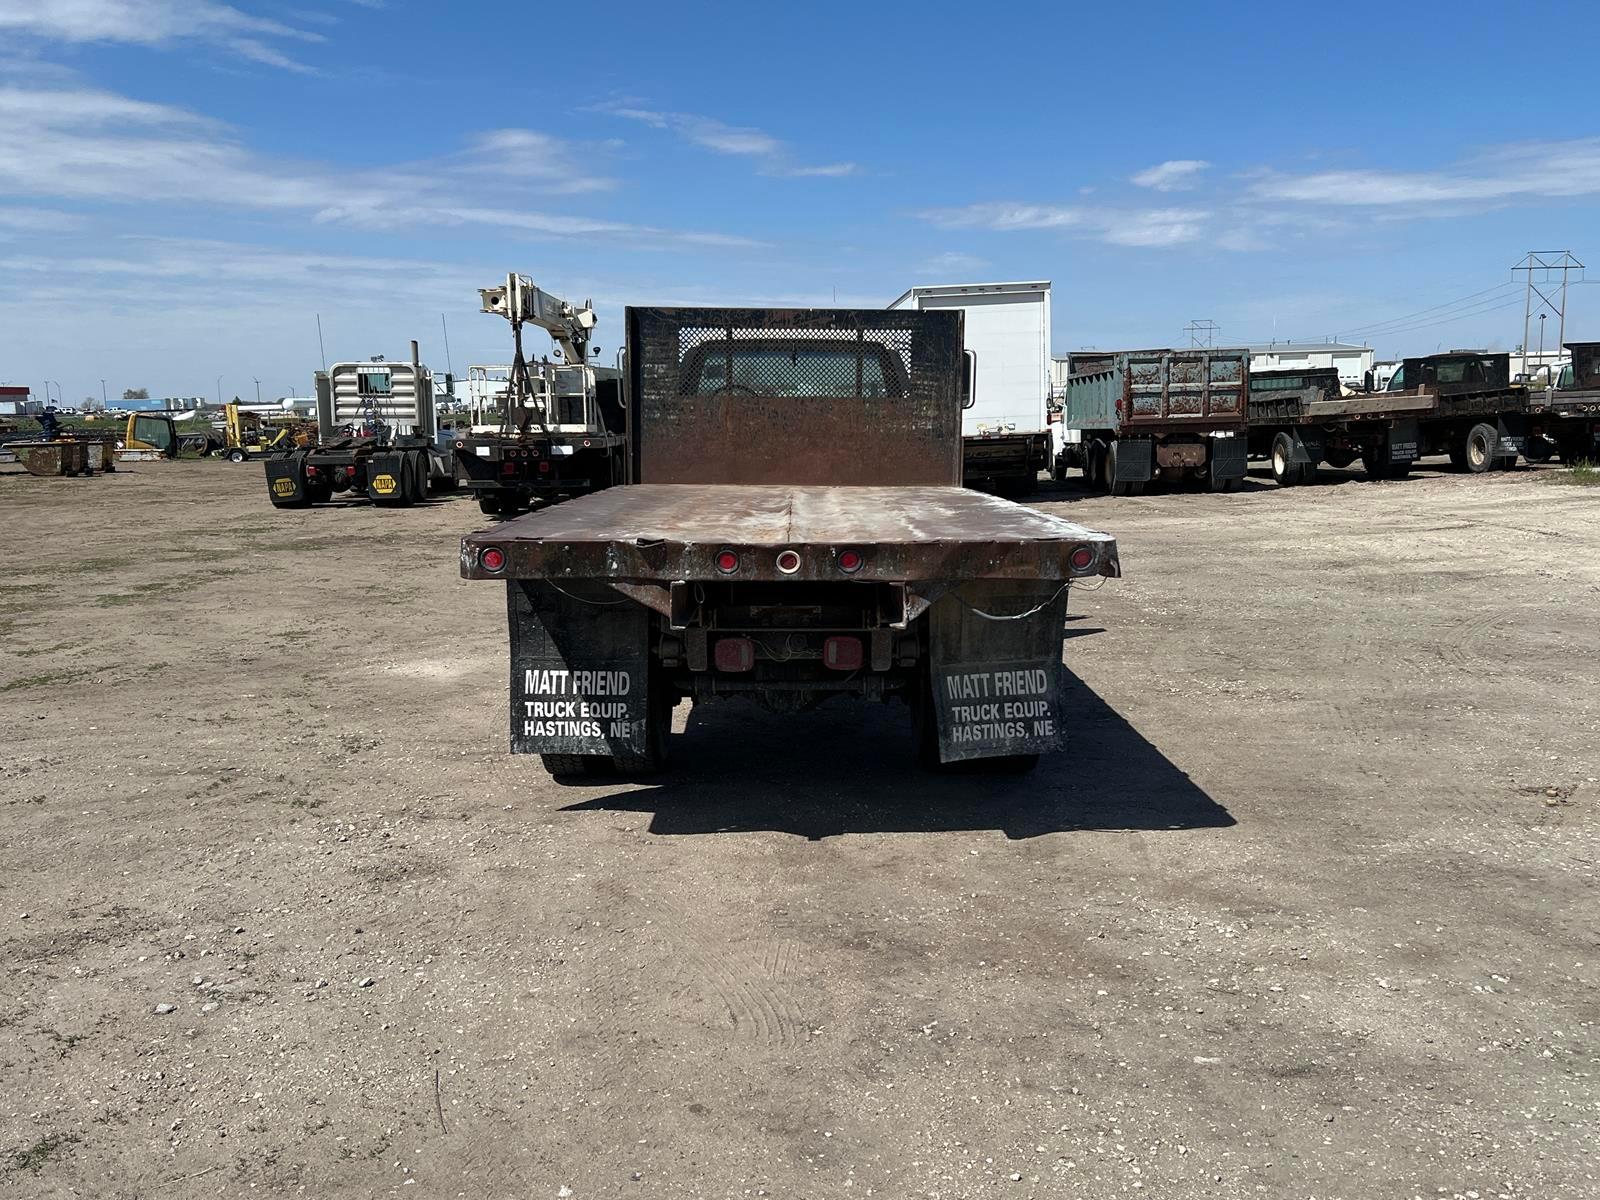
814, 362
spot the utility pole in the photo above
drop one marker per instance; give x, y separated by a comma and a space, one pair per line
1202, 333
219, 391
1552, 296
104, 403
258, 389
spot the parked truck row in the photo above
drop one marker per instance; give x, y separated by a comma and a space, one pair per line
1200, 415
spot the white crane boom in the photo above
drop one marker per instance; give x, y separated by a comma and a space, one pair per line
520, 300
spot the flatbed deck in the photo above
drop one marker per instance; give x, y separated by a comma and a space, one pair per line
676, 531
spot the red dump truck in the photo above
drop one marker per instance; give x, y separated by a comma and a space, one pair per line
795, 530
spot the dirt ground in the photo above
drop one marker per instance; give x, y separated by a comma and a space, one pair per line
1308, 910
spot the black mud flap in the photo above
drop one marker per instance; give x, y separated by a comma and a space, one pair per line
386, 479
579, 672
995, 651
1405, 438
1307, 446
1136, 459
1228, 457
1513, 433
286, 482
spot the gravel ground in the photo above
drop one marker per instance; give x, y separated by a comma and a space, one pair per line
1308, 910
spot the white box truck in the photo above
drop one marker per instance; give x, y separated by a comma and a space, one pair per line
1005, 435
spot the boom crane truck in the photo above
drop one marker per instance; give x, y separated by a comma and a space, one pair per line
561, 430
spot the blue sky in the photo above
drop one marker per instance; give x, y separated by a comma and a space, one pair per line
185, 183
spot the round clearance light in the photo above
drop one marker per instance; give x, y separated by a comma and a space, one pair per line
727, 562
461, 445
492, 559
850, 561
788, 562
1082, 558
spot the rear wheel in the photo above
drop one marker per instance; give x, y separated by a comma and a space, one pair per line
571, 768
1339, 459
489, 504
1482, 443
237, 455
1538, 450
1285, 470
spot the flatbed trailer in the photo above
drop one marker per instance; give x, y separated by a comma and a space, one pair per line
1130, 417
797, 531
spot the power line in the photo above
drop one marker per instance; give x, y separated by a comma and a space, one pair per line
1378, 327
1496, 306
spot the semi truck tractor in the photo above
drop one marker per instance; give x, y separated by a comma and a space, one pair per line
377, 437
795, 530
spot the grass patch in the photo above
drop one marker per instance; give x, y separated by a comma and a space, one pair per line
1582, 475
35, 1156
43, 680
160, 589
35, 651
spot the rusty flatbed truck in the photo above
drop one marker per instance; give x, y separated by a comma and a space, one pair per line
1130, 417
1565, 417
796, 530
1300, 419
1468, 408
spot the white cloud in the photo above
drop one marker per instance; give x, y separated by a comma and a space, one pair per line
41, 220
155, 23
722, 138
1522, 170
1133, 227
82, 144
1176, 175
821, 171
952, 263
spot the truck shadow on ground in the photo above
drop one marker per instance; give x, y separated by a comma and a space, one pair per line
850, 768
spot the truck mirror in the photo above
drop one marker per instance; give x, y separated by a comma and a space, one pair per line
969, 378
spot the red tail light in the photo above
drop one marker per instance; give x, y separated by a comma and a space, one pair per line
311, 471
735, 654
842, 654
544, 466
788, 562
1082, 558
727, 562
492, 558
509, 468
850, 561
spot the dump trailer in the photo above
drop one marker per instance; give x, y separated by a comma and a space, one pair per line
377, 437
1300, 419
1564, 418
796, 530
1468, 409
1129, 417
558, 429
1006, 431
